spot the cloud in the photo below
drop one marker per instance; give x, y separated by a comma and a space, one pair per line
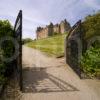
93, 3
42, 12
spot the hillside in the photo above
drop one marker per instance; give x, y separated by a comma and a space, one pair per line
91, 25
90, 61
51, 46
55, 45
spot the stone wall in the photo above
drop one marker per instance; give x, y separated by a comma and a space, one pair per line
56, 28
51, 29
64, 26
42, 33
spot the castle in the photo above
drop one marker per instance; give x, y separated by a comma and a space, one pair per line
51, 29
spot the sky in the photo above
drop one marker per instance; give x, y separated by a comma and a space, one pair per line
42, 12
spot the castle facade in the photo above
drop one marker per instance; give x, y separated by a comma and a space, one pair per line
51, 29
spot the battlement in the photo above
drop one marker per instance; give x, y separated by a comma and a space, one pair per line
51, 29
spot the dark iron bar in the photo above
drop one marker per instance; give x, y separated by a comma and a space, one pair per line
18, 37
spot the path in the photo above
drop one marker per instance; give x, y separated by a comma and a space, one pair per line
47, 78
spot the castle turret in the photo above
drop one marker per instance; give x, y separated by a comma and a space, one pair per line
56, 29
50, 29
39, 29
64, 26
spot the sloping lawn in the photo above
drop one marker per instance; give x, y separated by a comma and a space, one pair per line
51, 46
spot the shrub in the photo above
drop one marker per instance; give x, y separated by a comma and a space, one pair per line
90, 61
6, 49
27, 40
91, 25
2, 71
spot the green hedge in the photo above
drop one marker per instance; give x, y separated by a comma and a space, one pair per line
90, 61
6, 49
91, 25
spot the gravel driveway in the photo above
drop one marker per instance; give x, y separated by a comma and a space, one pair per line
49, 78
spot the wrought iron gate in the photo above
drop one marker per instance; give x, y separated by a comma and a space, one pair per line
72, 53
18, 37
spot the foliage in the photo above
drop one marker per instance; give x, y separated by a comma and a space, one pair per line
90, 61
55, 33
6, 48
5, 28
27, 40
91, 25
2, 71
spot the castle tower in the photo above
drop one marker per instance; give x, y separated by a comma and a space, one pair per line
41, 32
50, 29
56, 28
64, 26
38, 32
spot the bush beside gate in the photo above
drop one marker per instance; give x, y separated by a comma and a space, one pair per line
6, 51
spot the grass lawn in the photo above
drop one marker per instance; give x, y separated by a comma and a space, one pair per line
53, 46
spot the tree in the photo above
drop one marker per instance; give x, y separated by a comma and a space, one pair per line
6, 48
91, 25
90, 61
